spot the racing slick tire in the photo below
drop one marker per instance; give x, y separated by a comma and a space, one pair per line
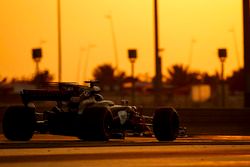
165, 124
96, 124
19, 123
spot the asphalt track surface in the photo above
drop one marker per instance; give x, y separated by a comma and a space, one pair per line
50, 150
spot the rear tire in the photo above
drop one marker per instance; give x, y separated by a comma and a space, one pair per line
96, 124
19, 123
165, 124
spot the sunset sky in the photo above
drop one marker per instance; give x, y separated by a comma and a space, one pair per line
190, 32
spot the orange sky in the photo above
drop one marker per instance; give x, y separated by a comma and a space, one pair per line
203, 25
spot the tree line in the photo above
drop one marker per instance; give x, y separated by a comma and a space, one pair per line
177, 76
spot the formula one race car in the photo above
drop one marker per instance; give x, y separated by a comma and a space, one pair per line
81, 111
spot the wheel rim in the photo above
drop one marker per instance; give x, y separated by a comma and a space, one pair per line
108, 125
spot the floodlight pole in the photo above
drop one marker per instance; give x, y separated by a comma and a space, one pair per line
132, 55
158, 73
133, 82
246, 27
222, 85
59, 40
222, 54
114, 40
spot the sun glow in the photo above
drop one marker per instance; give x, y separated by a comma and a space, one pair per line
27, 24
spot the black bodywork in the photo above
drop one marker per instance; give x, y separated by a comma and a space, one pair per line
100, 120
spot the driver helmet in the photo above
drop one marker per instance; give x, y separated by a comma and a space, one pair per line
96, 89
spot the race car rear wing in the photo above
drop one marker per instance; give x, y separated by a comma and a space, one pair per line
45, 95
58, 92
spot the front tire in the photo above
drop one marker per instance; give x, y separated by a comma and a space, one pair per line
19, 123
165, 124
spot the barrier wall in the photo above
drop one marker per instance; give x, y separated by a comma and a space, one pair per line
204, 121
